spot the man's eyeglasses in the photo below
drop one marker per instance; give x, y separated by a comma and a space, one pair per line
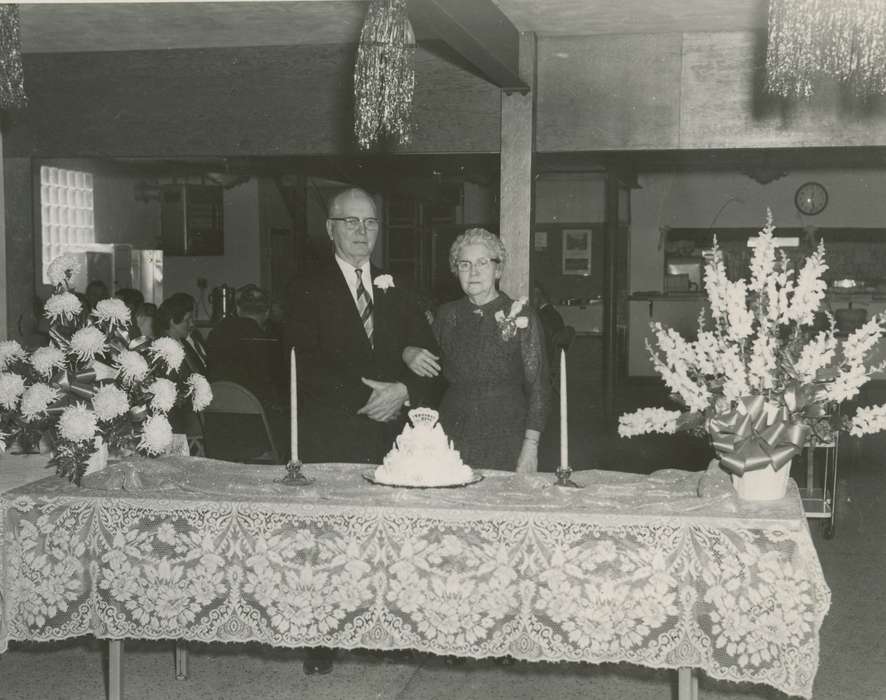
479, 265
352, 223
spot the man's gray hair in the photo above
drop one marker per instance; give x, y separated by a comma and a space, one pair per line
477, 236
338, 197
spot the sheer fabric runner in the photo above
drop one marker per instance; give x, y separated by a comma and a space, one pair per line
637, 569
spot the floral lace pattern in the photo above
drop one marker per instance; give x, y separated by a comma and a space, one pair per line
740, 596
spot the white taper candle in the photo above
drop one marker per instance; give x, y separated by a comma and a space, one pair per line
564, 418
293, 409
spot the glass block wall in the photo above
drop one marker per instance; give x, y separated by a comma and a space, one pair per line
66, 212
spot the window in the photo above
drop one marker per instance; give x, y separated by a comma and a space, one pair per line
66, 212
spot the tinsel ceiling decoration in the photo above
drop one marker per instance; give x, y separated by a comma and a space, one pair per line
12, 86
384, 74
810, 40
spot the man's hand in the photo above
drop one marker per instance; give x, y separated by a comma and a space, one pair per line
422, 362
385, 401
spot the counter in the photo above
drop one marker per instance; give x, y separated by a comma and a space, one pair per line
874, 303
680, 311
586, 318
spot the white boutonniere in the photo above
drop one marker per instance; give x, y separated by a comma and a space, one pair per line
509, 324
384, 282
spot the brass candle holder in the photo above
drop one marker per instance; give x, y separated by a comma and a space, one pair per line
294, 475
564, 477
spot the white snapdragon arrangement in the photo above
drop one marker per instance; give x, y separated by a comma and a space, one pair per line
93, 388
760, 379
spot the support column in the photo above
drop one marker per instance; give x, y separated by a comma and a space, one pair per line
4, 313
517, 198
610, 298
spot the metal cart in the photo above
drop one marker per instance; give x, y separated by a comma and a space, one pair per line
819, 492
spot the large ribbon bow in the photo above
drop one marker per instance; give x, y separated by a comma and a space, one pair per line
749, 437
80, 384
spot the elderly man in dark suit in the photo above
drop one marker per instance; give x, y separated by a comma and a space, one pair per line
349, 324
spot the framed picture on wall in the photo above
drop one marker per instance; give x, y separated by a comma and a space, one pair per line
577, 251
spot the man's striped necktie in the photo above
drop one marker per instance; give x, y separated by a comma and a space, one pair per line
364, 305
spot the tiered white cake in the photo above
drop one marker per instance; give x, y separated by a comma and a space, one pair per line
423, 456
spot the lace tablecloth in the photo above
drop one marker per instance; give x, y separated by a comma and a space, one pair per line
640, 569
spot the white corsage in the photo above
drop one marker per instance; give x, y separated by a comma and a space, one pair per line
384, 282
509, 324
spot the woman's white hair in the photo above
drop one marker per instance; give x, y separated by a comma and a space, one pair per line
477, 236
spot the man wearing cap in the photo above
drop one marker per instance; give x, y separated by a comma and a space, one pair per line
241, 350
238, 347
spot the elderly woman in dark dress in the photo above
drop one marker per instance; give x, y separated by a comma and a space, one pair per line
493, 359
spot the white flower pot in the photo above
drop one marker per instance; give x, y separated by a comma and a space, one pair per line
179, 446
762, 484
98, 460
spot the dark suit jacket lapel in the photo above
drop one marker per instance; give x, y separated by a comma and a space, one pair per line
379, 307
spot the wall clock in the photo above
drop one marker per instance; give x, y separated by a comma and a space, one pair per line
811, 198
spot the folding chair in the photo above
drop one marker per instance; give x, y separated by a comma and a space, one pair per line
235, 399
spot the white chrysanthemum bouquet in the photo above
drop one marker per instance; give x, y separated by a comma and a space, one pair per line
92, 388
760, 379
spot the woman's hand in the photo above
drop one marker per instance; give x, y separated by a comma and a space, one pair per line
527, 462
422, 362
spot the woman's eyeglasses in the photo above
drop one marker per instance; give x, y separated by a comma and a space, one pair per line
479, 265
352, 223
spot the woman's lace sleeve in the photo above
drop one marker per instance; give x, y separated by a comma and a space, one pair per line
536, 382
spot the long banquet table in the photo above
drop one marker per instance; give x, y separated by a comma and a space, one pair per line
630, 568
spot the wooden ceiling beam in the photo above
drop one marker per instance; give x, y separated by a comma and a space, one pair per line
478, 32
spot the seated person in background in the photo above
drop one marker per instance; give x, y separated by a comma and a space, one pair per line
133, 300
552, 324
241, 349
175, 318
275, 325
96, 291
144, 320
